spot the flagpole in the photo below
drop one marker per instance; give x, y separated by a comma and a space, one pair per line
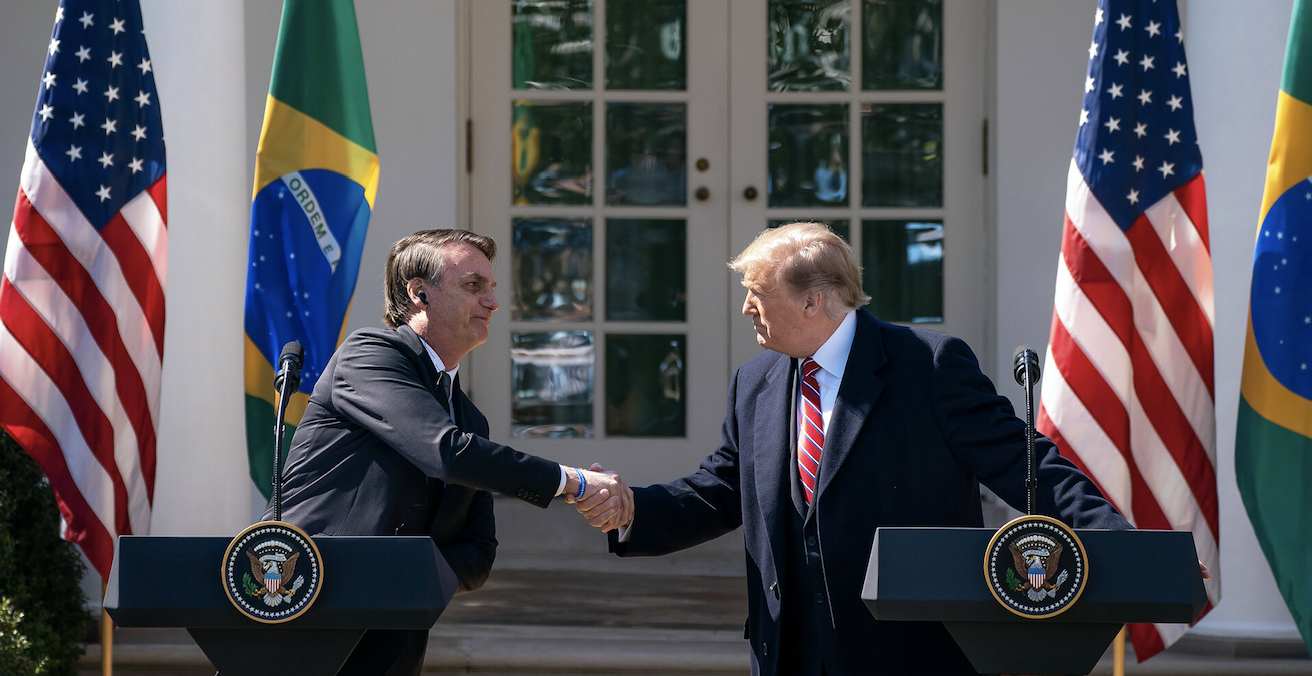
1118, 653
106, 635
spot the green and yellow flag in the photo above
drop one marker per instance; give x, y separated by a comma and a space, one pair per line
1273, 442
316, 174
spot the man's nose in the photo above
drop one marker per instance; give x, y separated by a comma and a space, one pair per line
748, 308
490, 302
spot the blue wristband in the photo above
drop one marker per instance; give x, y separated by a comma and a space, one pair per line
583, 484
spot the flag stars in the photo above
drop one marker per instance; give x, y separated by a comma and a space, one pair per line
1097, 17
139, 133
1277, 290
1084, 117
1088, 84
1145, 97
1175, 102
1112, 124
77, 120
74, 153
144, 66
1138, 163
115, 58
110, 126
1147, 62
1178, 70
1106, 156
1307, 320
80, 86
1124, 22
111, 93
59, 14
1133, 197
142, 99
135, 164
103, 193
1179, 35
48, 80
117, 26
54, 47
47, 111
1093, 50
1115, 91
1167, 169
83, 54
1141, 129
1154, 28
106, 160
1122, 57
1172, 137
86, 20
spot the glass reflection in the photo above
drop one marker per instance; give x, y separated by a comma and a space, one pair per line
902, 270
644, 44
809, 45
552, 260
644, 385
646, 154
902, 155
808, 154
551, 384
551, 152
552, 44
839, 226
903, 44
646, 270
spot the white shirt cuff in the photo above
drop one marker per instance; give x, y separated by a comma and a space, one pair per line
564, 478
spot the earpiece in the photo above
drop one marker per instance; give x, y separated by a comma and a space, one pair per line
423, 297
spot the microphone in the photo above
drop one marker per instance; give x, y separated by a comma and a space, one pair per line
289, 367
1022, 357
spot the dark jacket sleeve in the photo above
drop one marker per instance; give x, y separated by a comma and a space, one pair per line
471, 553
378, 388
987, 438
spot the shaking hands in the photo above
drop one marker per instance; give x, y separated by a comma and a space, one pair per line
607, 501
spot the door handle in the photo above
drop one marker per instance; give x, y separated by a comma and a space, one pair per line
749, 193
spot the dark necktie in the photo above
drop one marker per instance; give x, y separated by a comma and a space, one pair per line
444, 390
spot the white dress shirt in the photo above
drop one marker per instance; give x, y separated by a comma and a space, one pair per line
832, 358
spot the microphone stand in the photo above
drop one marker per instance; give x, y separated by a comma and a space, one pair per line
1031, 471
284, 393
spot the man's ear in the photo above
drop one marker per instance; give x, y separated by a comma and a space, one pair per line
815, 303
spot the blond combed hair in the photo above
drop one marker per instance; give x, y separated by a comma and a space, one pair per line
420, 255
806, 256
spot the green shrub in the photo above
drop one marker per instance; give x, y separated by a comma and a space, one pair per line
43, 615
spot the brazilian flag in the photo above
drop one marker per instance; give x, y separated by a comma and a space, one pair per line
1273, 442
316, 175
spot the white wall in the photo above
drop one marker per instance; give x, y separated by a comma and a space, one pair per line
1235, 59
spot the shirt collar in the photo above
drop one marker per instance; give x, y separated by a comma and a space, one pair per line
437, 361
832, 356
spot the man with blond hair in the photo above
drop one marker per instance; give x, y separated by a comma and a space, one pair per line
844, 424
390, 445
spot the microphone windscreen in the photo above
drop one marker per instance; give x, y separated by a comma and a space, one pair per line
294, 352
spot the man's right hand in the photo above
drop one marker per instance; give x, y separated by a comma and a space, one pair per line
607, 503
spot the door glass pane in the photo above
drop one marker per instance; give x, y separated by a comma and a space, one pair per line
646, 270
809, 45
552, 44
902, 155
839, 226
551, 384
645, 154
808, 154
903, 44
645, 385
902, 270
552, 269
551, 152
645, 44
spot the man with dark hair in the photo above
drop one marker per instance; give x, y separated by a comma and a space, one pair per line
844, 424
390, 445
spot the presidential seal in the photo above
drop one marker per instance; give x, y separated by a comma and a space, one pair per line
272, 572
1036, 567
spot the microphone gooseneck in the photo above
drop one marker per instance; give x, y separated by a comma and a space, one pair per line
1025, 366
285, 383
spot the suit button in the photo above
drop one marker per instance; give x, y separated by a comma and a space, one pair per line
765, 648
819, 598
810, 541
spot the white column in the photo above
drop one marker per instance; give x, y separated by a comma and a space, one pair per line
198, 55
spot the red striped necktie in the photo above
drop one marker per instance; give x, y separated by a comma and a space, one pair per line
811, 441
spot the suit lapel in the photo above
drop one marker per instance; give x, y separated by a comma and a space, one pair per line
857, 393
771, 455
419, 354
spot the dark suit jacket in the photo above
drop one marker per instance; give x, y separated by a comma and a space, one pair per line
376, 453
916, 427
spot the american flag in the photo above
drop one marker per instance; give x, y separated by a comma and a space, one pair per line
82, 299
1128, 393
